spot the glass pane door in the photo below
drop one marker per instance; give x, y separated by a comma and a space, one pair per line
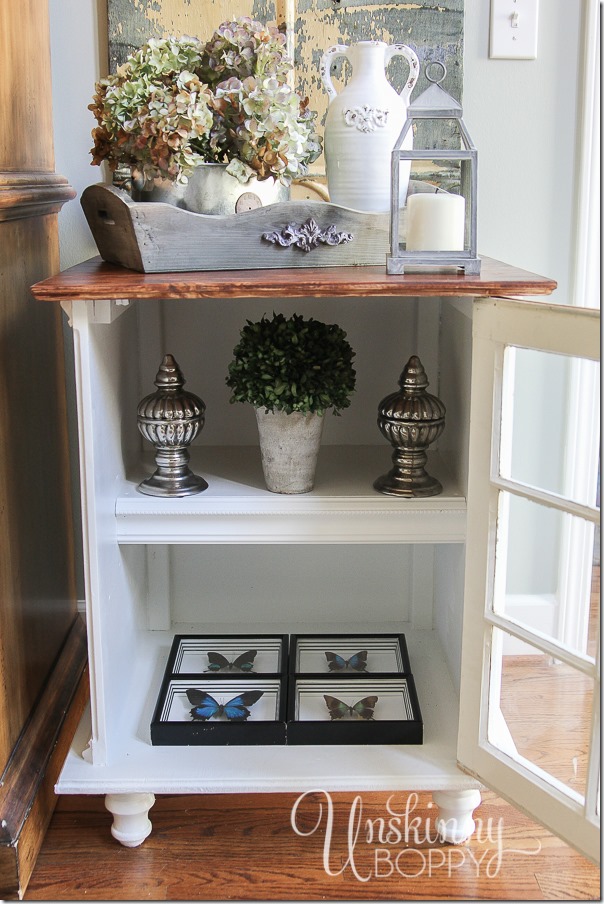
529, 722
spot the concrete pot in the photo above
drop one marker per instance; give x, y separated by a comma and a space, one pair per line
289, 446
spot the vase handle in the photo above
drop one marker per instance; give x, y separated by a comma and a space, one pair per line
325, 66
411, 57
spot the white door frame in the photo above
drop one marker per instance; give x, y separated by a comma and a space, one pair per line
562, 330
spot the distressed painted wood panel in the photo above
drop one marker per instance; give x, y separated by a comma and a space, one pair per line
433, 29
132, 22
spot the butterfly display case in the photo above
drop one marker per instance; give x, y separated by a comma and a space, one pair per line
229, 654
350, 710
223, 690
352, 689
348, 653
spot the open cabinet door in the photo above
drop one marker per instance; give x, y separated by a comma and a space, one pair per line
530, 685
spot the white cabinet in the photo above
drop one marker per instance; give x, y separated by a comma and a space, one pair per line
238, 559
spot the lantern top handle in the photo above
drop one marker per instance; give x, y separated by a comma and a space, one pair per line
435, 103
443, 74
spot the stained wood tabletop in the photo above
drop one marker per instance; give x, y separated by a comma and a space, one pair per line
94, 279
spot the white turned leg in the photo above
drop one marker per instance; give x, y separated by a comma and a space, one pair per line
131, 823
455, 823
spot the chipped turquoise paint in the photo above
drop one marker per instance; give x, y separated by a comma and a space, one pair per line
264, 11
130, 25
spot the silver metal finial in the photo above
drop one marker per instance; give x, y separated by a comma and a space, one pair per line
171, 419
410, 420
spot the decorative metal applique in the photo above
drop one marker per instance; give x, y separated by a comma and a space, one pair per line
366, 119
307, 236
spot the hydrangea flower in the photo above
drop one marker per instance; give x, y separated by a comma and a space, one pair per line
177, 102
242, 48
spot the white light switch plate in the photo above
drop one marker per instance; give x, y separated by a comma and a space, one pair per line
514, 29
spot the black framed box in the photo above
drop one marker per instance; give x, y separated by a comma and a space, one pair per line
348, 654
236, 690
223, 690
353, 710
225, 654
216, 711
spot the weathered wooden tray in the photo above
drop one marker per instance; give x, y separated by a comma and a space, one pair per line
154, 238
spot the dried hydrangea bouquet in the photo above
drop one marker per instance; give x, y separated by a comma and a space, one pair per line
179, 102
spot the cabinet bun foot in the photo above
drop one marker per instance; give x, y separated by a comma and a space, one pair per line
131, 823
455, 823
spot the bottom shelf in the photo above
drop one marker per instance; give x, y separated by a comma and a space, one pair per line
139, 766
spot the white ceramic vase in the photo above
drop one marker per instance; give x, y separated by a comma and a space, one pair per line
363, 122
289, 447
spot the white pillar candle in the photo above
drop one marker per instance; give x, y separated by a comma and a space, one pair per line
435, 222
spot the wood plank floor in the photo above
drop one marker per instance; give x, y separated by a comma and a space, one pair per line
236, 847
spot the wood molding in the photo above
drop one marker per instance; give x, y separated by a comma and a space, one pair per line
32, 194
27, 797
42, 647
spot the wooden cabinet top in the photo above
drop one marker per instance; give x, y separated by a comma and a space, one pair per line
95, 280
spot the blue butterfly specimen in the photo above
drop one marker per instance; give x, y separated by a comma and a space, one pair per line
236, 710
337, 663
242, 663
338, 709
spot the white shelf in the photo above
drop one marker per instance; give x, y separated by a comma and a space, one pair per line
342, 508
137, 766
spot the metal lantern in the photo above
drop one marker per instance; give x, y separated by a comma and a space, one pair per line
442, 219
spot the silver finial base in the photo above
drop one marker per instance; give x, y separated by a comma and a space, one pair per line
408, 477
173, 477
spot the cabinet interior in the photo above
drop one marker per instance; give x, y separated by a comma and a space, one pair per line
150, 590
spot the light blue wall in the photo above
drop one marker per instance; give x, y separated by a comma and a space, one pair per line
78, 52
522, 115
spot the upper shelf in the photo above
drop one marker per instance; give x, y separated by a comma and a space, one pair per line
343, 507
94, 279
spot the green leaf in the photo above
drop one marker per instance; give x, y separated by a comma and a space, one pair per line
292, 364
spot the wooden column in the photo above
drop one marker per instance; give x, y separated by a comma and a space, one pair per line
42, 639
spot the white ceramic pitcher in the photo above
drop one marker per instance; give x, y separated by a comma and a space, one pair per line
363, 122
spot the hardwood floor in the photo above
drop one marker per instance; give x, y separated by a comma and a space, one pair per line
237, 847
551, 725
548, 707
